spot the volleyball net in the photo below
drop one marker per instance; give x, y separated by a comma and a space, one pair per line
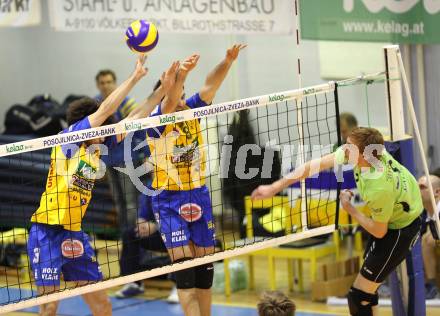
242, 144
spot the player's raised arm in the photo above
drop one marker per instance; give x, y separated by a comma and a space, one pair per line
167, 81
304, 171
174, 95
112, 102
218, 74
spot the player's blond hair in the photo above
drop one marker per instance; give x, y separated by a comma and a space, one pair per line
275, 304
364, 136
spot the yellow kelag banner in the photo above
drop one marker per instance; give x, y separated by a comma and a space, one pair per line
20, 13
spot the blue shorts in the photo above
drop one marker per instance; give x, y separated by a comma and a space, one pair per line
183, 216
53, 250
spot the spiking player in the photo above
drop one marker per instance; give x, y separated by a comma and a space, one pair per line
183, 207
56, 242
392, 194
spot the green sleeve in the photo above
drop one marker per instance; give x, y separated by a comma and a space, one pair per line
381, 205
340, 156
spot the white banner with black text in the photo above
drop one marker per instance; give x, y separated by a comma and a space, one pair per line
176, 16
20, 13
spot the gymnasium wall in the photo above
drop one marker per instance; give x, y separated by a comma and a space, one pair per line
432, 77
38, 60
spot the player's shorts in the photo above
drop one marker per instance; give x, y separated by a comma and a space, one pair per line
53, 250
383, 255
185, 216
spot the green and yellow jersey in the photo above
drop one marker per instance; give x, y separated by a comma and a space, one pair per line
390, 191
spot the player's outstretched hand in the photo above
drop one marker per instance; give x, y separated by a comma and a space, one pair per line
168, 78
263, 192
189, 64
233, 52
345, 198
140, 71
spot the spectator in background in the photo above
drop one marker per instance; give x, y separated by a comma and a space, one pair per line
106, 84
428, 242
275, 304
347, 123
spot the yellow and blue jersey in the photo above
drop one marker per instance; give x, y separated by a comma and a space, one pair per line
70, 182
177, 152
127, 105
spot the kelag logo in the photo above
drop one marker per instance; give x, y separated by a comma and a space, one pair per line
14, 148
168, 119
132, 126
277, 98
389, 21
395, 6
309, 91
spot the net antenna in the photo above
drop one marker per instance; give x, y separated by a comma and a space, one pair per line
301, 152
396, 69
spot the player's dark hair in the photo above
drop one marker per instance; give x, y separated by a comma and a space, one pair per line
105, 72
275, 304
83, 107
364, 136
349, 118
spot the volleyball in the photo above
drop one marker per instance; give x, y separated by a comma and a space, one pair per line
141, 36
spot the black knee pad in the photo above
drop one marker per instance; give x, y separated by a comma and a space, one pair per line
204, 276
185, 279
356, 298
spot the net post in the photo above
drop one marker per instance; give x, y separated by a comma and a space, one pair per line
418, 137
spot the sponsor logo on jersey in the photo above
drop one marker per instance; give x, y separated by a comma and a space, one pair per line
178, 236
376, 210
49, 274
86, 171
84, 176
72, 248
157, 217
211, 225
36, 258
190, 212
186, 154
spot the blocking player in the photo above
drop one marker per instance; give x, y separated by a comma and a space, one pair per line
56, 242
392, 194
183, 207
106, 84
